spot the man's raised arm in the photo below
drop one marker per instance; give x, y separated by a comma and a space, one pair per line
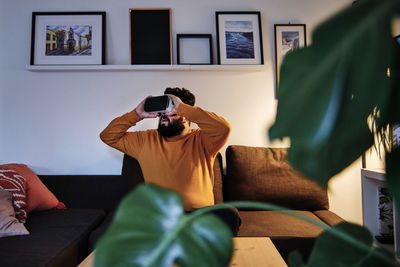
215, 130
115, 134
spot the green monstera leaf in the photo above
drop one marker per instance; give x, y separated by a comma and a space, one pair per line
150, 228
328, 90
345, 245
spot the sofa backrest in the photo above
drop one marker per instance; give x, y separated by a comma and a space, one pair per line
131, 169
264, 174
88, 191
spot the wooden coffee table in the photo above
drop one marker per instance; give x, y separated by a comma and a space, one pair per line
248, 252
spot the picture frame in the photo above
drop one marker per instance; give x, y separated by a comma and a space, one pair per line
68, 38
239, 37
150, 36
287, 38
396, 127
396, 135
194, 49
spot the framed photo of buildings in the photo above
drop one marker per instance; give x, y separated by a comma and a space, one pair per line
239, 37
65, 38
150, 36
288, 37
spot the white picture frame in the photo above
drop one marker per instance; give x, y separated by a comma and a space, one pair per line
288, 37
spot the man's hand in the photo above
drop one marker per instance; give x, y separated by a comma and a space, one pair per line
177, 101
143, 114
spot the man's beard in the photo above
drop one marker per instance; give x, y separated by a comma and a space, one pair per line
173, 129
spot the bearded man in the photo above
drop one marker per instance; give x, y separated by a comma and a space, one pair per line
175, 156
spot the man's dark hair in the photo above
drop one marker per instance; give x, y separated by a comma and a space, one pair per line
185, 95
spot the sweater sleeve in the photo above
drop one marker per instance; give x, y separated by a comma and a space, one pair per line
214, 129
117, 136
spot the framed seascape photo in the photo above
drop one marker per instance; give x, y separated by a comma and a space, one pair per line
239, 37
194, 49
68, 38
288, 37
150, 37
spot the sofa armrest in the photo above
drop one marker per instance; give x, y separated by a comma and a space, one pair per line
218, 174
328, 217
88, 191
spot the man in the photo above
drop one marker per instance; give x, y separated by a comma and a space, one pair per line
175, 156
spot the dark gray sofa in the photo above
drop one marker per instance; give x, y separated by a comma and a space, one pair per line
66, 237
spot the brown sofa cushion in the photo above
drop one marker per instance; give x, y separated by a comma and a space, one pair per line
275, 224
264, 174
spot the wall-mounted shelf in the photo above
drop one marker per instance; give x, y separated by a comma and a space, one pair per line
146, 67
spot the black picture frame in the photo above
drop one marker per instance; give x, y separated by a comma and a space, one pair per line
197, 51
68, 38
150, 36
239, 37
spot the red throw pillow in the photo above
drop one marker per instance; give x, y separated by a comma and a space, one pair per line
14, 183
38, 196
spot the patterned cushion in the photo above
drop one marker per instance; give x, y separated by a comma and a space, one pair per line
14, 183
38, 196
9, 225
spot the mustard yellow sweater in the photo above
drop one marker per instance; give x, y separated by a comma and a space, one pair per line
183, 164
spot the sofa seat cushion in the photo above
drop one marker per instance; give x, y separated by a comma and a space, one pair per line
99, 231
275, 224
57, 238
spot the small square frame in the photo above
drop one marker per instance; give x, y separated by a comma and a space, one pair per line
68, 38
296, 33
194, 49
239, 37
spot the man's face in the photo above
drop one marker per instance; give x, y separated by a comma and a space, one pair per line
171, 125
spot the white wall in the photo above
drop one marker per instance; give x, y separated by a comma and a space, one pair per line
51, 120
